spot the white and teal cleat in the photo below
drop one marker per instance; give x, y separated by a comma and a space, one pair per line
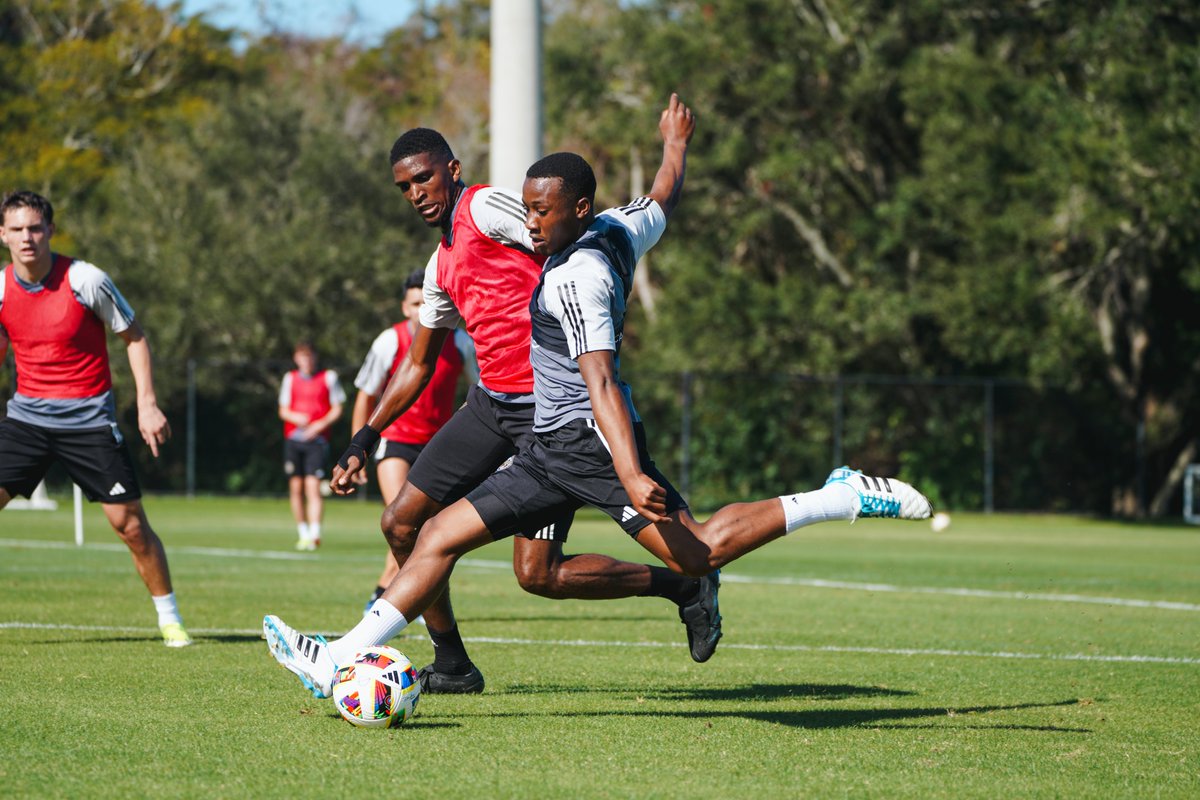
305, 656
883, 497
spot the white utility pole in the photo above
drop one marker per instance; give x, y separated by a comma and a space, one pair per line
516, 91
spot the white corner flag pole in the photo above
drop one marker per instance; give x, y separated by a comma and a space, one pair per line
78, 516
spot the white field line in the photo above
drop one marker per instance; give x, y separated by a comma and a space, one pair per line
798, 648
726, 577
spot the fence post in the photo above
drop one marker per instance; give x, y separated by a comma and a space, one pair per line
685, 435
839, 410
190, 478
989, 446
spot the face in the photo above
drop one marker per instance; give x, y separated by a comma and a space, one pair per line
28, 237
306, 360
430, 184
411, 305
553, 220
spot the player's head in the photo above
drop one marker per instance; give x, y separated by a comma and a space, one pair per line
559, 192
305, 356
26, 225
426, 171
410, 306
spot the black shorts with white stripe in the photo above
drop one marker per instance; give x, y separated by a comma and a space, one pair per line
481, 437
564, 470
95, 458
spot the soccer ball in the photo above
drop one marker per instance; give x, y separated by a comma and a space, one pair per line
378, 689
940, 522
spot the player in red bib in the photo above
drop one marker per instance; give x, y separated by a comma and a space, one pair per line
53, 311
310, 400
404, 439
483, 275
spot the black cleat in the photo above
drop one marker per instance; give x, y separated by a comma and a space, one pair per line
434, 682
703, 619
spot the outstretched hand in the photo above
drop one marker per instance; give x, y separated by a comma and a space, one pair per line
677, 122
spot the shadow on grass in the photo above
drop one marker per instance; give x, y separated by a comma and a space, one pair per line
416, 722
750, 691
874, 718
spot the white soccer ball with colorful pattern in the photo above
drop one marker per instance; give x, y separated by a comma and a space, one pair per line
379, 689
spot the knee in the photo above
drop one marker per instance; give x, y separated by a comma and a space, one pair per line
399, 529
539, 578
133, 529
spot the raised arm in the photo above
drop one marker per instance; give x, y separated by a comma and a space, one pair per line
677, 124
152, 423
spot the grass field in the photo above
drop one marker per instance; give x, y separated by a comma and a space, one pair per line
1006, 657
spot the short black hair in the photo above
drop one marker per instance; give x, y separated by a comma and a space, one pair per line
418, 141
415, 280
575, 172
24, 198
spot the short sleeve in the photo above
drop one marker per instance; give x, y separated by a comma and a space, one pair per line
94, 289
580, 297
285, 391
337, 395
645, 221
372, 376
500, 215
437, 309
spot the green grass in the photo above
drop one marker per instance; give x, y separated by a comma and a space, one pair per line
822, 691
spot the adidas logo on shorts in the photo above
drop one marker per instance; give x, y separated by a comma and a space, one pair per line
116, 489
629, 513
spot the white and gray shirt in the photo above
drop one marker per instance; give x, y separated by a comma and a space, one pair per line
579, 307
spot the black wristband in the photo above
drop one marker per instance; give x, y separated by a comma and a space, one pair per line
363, 442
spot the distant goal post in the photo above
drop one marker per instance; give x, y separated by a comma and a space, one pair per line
1191, 494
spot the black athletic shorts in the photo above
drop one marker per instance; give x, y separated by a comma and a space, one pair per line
403, 450
563, 470
481, 436
95, 458
301, 459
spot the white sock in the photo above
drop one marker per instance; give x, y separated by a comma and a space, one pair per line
314, 530
302, 529
168, 609
378, 626
833, 502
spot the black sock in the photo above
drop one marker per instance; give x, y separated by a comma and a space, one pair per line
677, 588
449, 652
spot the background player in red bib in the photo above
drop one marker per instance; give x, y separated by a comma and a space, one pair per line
404, 439
53, 311
310, 400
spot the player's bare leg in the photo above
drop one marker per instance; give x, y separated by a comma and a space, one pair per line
130, 522
452, 670
314, 509
5, 497
392, 473
694, 548
542, 569
296, 502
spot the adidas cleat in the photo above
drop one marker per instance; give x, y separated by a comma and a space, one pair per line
703, 618
434, 682
883, 497
174, 635
305, 656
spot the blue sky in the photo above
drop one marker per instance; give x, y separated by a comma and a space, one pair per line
362, 21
